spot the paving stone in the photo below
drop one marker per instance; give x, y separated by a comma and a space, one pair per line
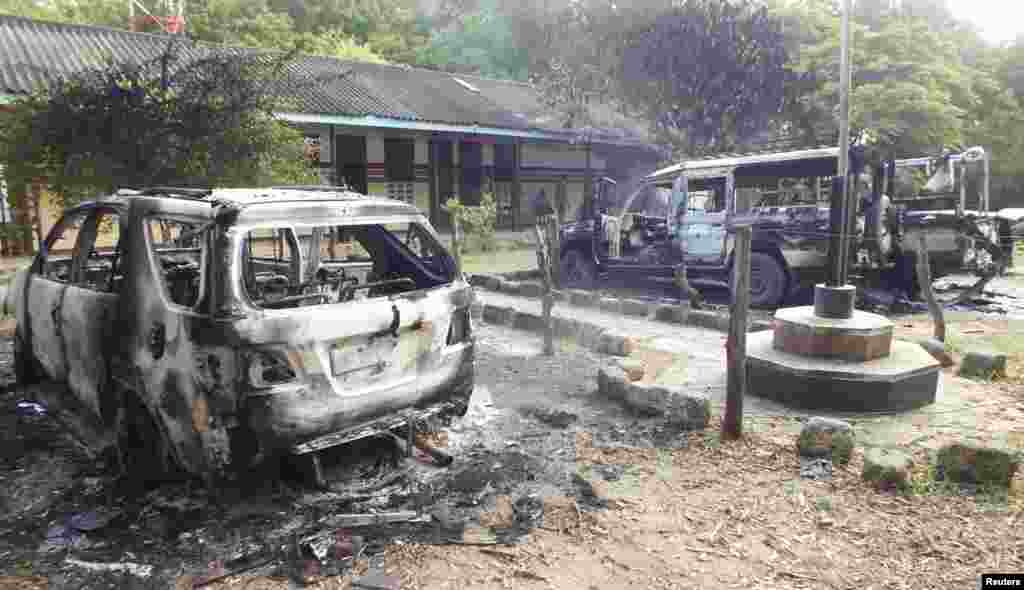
531, 289
680, 409
887, 468
826, 438
500, 316
675, 314
610, 304
983, 364
634, 307
510, 287
938, 350
975, 464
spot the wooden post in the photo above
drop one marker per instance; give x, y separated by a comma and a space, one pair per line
544, 265
736, 346
457, 242
924, 278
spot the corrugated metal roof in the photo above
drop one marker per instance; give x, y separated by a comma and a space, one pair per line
34, 52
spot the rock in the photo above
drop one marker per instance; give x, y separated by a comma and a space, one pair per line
443, 515
826, 438
634, 307
681, 410
531, 289
707, 319
938, 350
616, 344
985, 365
887, 468
634, 368
610, 304
817, 469
675, 314
972, 464
582, 298
501, 316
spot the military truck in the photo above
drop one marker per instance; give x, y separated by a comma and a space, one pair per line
687, 213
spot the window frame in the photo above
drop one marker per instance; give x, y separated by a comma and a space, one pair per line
94, 218
396, 169
39, 266
157, 272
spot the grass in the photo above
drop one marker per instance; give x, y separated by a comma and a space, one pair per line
499, 261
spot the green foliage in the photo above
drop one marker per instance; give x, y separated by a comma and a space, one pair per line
477, 222
203, 120
482, 43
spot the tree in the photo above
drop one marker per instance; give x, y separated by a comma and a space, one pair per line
189, 115
480, 42
708, 74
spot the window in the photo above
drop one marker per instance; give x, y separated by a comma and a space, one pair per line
341, 263
177, 248
60, 248
102, 269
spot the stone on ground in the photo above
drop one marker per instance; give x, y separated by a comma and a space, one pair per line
634, 368
682, 410
887, 468
985, 365
826, 438
967, 463
817, 469
938, 350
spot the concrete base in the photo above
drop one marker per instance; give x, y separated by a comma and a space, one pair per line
907, 378
834, 302
862, 337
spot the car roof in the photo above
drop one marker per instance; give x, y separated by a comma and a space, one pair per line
720, 165
262, 203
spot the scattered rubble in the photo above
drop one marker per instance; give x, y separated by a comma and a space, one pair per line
135, 569
816, 469
888, 469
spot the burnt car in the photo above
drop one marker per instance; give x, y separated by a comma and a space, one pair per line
687, 213
201, 331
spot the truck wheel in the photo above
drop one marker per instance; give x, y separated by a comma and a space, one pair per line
767, 280
25, 372
145, 453
577, 272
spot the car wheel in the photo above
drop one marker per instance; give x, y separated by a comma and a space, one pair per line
767, 280
577, 272
25, 371
143, 448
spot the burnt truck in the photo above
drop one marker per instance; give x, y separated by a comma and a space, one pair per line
688, 213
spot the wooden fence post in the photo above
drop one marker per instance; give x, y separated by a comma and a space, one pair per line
457, 242
736, 346
924, 278
544, 265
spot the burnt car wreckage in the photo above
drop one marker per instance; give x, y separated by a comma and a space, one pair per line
202, 331
687, 213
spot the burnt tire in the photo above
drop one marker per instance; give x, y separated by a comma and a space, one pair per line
576, 271
768, 280
145, 453
26, 371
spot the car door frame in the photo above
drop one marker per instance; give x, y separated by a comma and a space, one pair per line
43, 332
88, 325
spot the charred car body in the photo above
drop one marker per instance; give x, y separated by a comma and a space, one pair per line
687, 213
216, 328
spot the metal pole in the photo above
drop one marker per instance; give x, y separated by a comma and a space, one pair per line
844, 141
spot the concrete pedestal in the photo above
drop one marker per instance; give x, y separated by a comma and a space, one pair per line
861, 337
908, 377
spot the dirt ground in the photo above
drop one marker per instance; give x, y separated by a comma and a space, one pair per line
551, 488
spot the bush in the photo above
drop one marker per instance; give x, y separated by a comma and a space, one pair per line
479, 223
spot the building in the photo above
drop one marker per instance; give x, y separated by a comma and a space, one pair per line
414, 134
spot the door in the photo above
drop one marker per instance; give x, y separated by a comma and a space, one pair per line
88, 314
703, 230
51, 274
444, 162
350, 155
